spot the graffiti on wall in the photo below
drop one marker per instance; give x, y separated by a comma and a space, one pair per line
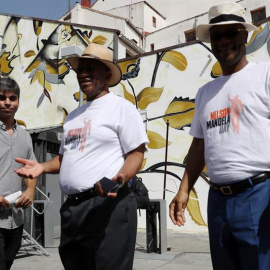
32, 54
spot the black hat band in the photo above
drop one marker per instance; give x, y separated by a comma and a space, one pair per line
226, 18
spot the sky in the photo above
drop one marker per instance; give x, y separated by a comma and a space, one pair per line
43, 9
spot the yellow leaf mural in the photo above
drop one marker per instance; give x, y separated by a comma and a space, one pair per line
21, 122
77, 96
180, 113
63, 69
34, 78
143, 164
216, 70
37, 27
40, 77
64, 116
34, 65
177, 59
29, 54
204, 169
124, 65
193, 208
48, 86
127, 95
86, 39
156, 141
5, 63
51, 69
180, 106
99, 40
148, 95
179, 121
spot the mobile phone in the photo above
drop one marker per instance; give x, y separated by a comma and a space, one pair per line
108, 185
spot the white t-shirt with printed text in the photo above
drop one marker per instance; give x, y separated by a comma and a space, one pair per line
233, 117
96, 137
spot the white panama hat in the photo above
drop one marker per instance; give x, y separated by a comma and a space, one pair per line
103, 55
221, 14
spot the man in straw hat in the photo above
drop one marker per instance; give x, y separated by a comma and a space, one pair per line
103, 138
231, 130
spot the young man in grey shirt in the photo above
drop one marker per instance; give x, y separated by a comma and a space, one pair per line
14, 141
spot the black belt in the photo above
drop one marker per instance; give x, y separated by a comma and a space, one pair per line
82, 196
242, 185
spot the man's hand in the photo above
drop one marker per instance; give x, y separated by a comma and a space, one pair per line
3, 203
177, 208
26, 199
118, 178
32, 169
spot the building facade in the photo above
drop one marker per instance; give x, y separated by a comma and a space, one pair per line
155, 24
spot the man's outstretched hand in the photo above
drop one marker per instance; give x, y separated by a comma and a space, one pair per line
32, 169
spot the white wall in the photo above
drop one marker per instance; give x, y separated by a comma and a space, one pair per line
175, 34
179, 18
149, 13
177, 10
169, 36
95, 19
140, 15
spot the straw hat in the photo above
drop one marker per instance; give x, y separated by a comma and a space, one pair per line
102, 54
224, 13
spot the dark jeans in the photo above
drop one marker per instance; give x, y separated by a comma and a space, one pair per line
10, 243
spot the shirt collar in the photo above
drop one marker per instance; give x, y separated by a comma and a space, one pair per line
3, 126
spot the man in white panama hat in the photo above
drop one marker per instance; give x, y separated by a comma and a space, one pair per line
103, 138
231, 130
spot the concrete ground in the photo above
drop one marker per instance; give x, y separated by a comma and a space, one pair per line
187, 251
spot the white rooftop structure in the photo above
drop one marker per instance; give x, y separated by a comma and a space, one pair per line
154, 24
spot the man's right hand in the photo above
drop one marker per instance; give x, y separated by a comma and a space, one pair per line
32, 169
177, 208
3, 203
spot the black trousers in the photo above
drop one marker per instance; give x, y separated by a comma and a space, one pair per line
10, 243
100, 233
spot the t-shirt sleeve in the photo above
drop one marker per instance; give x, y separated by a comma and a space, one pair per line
132, 130
196, 128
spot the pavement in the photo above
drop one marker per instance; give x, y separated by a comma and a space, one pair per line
185, 250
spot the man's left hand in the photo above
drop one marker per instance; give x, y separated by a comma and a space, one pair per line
118, 178
25, 200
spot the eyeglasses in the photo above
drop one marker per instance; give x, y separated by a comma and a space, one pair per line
89, 69
11, 98
231, 34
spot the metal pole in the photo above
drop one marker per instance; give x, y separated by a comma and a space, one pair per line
166, 154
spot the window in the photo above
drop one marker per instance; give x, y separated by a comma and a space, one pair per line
152, 46
190, 35
258, 15
154, 20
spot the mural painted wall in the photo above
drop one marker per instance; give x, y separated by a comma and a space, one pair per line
31, 54
163, 85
